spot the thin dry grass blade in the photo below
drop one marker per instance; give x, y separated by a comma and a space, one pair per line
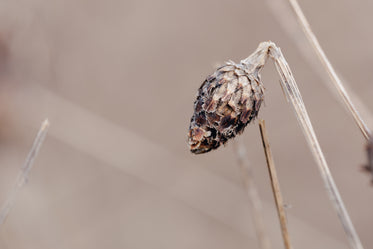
25, 170
284, 14
329, 68
275, 185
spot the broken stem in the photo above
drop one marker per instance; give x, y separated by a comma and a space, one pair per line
275, 185
25, 170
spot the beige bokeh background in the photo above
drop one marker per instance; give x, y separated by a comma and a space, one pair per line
117, 79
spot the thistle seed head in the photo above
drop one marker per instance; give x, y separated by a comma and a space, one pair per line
226, 102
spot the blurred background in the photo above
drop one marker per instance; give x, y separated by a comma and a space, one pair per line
117, 80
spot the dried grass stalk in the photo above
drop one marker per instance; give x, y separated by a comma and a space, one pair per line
329, 68
293, 95
202, 137
25, 170
275, 185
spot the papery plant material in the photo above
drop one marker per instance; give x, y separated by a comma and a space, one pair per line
226, 102
198, 136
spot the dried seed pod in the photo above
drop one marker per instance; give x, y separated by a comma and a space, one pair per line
226, 102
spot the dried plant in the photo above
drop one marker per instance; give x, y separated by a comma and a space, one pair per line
275, 184
339, 86
202, 139
337, 82
361, 114
25, 170
226, 102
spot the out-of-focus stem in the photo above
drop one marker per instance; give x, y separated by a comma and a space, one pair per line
25, 170
253, 196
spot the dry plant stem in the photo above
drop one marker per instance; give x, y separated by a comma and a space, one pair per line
253, 196
289, 86
332, 74
284, 14
293, 95
275, 185
25, 170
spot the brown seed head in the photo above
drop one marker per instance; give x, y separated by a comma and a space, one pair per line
226, 102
